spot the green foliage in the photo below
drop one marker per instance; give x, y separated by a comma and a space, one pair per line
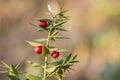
35, 64
11, 71
61, 66
45, 50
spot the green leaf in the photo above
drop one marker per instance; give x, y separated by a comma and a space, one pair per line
62, 12
74, 57
58, 50
52, 30
62, 50
40, 40
61, 29
58, 77
3, 71
13, 78
13, 70
48, 21
60, 23
61, 37
57, 63
59, 74
34, 43
54, 33
67, 58
45, 50
73, 61
50, 70
38, 28
32, 77
66, 67
35, 64
13, 73
5, 65
18, 65
52, 38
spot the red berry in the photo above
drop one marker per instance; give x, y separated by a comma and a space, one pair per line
55, 54
38, 49
43, 23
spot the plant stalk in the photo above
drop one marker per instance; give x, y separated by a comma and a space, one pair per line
45, 67
46, 58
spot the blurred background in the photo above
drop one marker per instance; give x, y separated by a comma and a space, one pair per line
94, 28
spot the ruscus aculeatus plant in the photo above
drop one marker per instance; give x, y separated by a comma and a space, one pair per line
59, 66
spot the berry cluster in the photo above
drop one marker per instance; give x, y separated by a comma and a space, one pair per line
38, 49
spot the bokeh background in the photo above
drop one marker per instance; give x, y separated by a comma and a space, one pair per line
94, 28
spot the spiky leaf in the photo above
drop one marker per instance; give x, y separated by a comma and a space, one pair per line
35, 64
34, 43
45, 50
40, 40
38, 28
61, 37
67, 58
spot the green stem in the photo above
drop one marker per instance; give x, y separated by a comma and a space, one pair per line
45, 67
46, 58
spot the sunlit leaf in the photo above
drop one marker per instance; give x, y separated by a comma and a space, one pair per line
40, 40
58, 50
34, 43
35, 64
5, 65
61, 37
59, 74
